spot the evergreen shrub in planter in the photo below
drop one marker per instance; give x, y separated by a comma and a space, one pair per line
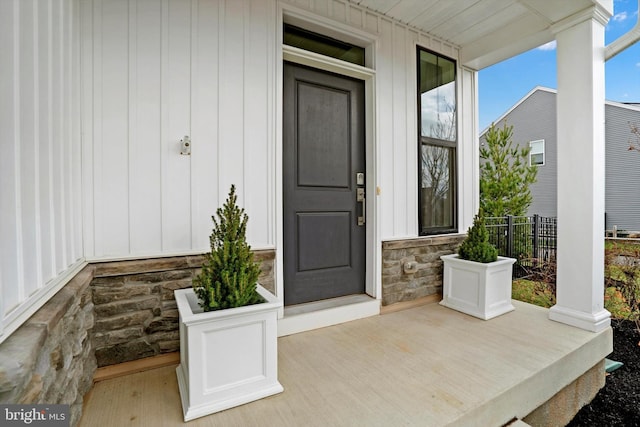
477, 281
228, 325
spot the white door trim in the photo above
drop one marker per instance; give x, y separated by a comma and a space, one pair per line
373, 280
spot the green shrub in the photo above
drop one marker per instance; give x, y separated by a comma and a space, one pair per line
229, 275
616, 304
622, 273
622, 282
622, 247
533, 292
476, 246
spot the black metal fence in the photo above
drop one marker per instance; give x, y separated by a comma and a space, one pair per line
531, 240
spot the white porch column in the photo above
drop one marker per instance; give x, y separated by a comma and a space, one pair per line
580, 122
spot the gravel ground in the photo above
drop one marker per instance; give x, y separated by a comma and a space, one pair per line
618, 403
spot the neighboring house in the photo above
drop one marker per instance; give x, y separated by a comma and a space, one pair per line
349, 128
534, 124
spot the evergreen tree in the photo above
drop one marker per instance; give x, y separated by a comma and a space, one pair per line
505, 175
229, 274
476, 246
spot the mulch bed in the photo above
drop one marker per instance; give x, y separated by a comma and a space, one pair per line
618, 403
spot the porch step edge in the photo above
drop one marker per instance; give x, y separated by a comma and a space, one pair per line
328, 316
543, 385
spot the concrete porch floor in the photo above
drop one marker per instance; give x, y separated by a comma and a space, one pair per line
424, 366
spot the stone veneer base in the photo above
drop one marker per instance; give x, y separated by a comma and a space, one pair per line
562, 407
109, 313
412, 268
135, 307
50, 358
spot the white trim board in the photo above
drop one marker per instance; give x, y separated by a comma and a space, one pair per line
320, 314
17, 317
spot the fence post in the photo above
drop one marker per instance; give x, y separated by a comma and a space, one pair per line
510, 236
536, 235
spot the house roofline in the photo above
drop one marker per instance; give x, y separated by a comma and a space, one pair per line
514, 106
632, 107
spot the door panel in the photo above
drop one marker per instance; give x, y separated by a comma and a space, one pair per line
330, 235
323, 154
323, 149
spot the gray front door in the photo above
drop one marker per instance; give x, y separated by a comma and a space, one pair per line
323, 151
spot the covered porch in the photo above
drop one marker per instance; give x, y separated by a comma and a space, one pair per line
427, 366
101, 95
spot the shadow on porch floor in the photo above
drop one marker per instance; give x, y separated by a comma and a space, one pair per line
425, 366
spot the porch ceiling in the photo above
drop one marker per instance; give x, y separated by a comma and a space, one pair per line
486, 31
427, 366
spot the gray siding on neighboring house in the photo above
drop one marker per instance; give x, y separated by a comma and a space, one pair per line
622, 185
534, 118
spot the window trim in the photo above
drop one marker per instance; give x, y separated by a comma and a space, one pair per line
544, 157
425, 140
312, 36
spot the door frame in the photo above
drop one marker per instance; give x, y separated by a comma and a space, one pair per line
292, 15
329, 194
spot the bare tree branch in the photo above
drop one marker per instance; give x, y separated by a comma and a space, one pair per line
634, 139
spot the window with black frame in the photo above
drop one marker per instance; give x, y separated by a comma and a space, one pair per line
437, 143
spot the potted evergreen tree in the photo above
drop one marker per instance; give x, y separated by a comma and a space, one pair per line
228, 324
477, 281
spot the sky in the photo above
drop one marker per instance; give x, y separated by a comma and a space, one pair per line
504, 84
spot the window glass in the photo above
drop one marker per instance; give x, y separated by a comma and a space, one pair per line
436, 189
437, 97
313, 42
536, 155
437, 142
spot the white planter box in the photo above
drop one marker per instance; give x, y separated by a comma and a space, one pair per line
478, 289
227, 357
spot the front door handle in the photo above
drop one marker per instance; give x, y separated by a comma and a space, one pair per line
360, 198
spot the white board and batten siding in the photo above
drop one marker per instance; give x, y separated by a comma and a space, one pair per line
106, 89
155, 71
40, 165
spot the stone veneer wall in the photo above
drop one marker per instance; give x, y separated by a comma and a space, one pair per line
399, 281
561, 408
53, 356
136, 312
50, 358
